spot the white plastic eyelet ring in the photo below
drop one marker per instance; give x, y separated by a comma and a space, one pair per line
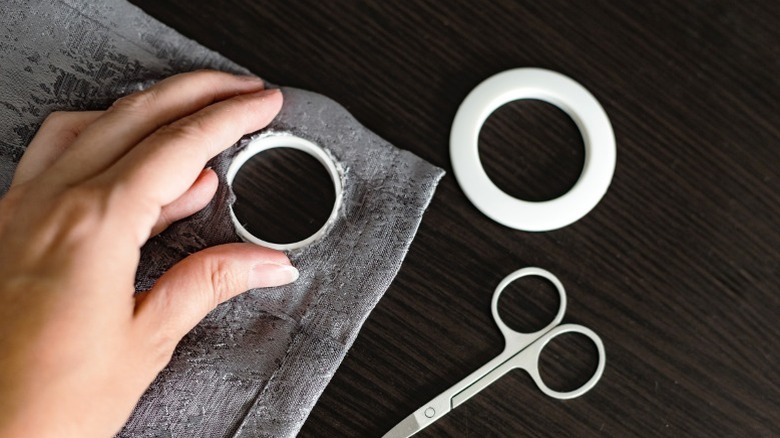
558, 90
283, 140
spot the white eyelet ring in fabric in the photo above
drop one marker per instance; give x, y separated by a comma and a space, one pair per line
282, 140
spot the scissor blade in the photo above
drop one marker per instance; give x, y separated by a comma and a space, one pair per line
406, 428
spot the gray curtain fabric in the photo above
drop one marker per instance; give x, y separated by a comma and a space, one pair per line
256, 365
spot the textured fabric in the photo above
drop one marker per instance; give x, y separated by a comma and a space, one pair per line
257, 364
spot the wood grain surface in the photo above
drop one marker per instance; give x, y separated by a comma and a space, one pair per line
678, 267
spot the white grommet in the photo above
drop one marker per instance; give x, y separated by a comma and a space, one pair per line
569, 96
283, 140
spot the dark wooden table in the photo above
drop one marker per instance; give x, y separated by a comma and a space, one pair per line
678, 267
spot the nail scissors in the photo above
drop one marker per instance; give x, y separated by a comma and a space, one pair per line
522, 350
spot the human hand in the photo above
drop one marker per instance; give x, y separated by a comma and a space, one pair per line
78, 347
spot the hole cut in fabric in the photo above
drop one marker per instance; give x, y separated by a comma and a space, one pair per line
288, 191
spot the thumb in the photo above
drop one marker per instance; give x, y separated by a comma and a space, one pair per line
196, 285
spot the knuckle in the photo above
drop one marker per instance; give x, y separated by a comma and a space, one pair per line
140, 102
193, 129
223, 281
84, 195
67, 125
55, 120
84, 208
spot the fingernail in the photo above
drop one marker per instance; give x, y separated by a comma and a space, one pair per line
268, 93
271, 274
251, 78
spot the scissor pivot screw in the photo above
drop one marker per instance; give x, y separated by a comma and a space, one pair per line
430, 412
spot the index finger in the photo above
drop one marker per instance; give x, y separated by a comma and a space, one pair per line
164, 165
134, 117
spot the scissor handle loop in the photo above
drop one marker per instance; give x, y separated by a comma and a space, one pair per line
513, 336
535, 350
